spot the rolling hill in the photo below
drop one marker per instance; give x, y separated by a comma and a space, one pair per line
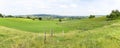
91, 33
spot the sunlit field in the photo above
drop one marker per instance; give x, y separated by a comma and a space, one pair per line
52, 25
59, 23
85, 33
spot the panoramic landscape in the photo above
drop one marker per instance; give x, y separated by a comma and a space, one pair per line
59, 24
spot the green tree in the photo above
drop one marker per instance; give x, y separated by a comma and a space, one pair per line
28, 17
39, 18
117, 13
10, 16
60, 20
1, 15
92, 16
113, 15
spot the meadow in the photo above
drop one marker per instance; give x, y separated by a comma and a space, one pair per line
84, 33
52, 25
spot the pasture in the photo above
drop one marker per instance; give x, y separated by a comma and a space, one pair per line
85, 33
31, 25
52, 25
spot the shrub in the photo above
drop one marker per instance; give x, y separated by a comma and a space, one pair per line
10, 16
28, 17
1, 15
60, 20
92, 16
39, 18
113, 15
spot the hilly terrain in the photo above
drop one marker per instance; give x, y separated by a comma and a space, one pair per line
87, 33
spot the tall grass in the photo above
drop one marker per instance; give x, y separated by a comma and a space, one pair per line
90, 33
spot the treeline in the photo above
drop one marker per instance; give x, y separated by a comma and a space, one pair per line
115, 14
28, 17
43, 17
59, 18
3, 16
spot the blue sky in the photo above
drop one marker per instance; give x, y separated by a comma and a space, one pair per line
59, 7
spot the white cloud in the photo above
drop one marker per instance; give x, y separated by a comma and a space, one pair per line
74, 5
64, 7
69, 6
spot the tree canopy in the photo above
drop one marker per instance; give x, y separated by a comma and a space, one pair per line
113, 15
1, 15
92, 16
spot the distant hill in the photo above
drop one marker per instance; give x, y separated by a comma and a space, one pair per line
57, 16
44, 15
47, 15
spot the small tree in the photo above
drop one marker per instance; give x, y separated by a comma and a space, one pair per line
28, 17
39, 18
60, 20
92, 16
33, 18
113, 15
10, 16
1, 15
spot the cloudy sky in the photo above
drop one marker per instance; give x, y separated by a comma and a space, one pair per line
59, 7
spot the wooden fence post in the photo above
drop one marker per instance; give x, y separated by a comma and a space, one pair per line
63, 32
51, 33
45, 38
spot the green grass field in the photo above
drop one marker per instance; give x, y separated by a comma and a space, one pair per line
85, 33
54, 25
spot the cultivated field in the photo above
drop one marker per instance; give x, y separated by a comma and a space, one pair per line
85, 33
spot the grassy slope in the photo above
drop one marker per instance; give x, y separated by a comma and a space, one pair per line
102, 37
30, 25
42, 26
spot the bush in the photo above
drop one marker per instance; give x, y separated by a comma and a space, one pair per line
39, 18
28, 17
10, 16
92, 16
1, 15
60, 20
113, 15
